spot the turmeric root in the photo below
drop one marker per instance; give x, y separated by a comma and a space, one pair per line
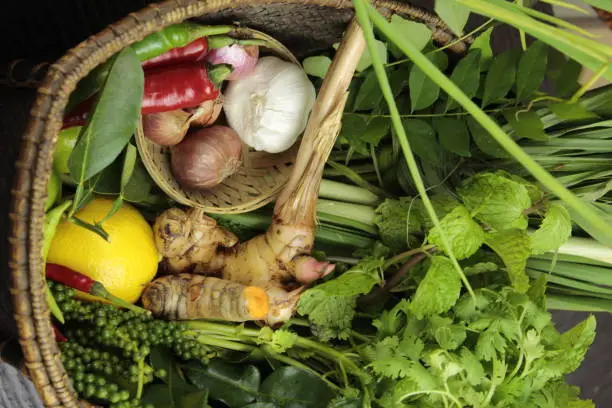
278, 261
187, 296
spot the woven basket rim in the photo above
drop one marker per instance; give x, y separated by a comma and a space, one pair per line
41, 355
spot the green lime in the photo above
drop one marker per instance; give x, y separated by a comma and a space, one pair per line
54, 190
65, 144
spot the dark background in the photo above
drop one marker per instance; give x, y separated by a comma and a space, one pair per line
44, 30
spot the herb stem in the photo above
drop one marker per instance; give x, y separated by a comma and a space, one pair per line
361, 9
437, 392
140, 378
230, 345
407, 254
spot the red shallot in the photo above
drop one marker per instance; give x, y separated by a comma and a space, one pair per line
241, 58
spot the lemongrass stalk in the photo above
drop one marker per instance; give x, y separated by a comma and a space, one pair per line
586, 216
361, 10
357, 212
583, 272
336, 190
556, 301
587, 248
571, 283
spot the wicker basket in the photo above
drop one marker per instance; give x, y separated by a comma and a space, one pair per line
258, 180
304, 26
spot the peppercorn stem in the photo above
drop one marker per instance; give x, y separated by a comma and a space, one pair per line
97, 289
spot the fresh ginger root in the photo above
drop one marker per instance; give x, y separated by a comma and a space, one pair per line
188, 296
278, 261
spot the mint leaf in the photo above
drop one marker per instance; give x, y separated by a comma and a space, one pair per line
463, 233
395, 220
331, 305
438, 291
513, 247
317, 66
555, 230
531, 70
495, 200
453, 135
417, 33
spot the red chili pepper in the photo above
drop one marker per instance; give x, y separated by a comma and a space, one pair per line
78, 115
194, 51
85, 284
169, 88
177, 87
59, 336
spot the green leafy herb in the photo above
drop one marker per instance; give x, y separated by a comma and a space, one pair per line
453, 134
291, 387
483, 43
463, 233
453, 14
467, 77
423, 139
555, 230
500, 78
317, 66
526, 124
439, 291
513, 247
531, 70
417, 33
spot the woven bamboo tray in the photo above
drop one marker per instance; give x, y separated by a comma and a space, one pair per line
304, 26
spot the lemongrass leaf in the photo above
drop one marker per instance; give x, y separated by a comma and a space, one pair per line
453, 14
600, 4
587, 216
453, 135
571, 111
362, 9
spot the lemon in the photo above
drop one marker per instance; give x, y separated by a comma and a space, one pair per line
124, 264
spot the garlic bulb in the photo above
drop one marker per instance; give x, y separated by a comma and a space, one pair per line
269, 108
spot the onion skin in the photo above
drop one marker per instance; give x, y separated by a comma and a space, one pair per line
170, 128
206, 157
241, 58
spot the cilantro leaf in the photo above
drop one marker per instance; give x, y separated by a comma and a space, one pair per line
331, 305
390, 321
555, 230
463, 233
474, 370
448, 335
495, 200
438, 291
513, 247
279, 341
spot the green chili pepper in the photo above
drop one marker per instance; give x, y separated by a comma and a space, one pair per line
153, 45
55, 310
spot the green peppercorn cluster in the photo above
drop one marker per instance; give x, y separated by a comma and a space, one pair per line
108, 347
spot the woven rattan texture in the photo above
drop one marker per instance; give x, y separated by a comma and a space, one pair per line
33, 164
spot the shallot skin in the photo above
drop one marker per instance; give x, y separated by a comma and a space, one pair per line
241, 58
206, 157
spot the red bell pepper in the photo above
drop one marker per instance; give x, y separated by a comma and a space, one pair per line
194, 51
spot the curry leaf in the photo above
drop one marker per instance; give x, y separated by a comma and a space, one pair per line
467, 77
531, 70
317, 66
423, 91
366, 58
113, 118
417, 33
422, 139
453, 135
234, 385
500, 78
571, 111
453, 14
291, 387
484, 141
370, 95
483, 43
526, 124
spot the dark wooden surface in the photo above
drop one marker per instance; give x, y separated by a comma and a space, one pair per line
42, 31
